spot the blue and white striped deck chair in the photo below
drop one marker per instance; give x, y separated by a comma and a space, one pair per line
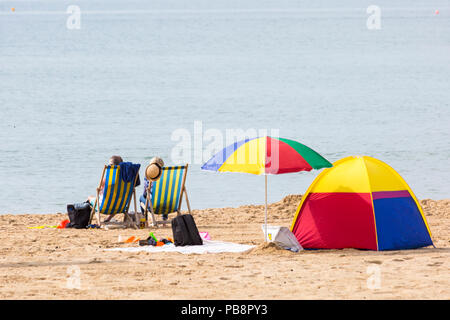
166, 195
116, 194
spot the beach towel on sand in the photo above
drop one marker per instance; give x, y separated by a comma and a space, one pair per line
207, 247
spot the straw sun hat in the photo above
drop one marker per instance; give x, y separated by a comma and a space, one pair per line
154, 169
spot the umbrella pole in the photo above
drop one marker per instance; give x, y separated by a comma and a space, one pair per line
265, 212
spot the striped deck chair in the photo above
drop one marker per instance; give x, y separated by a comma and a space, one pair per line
116, 195
166, 195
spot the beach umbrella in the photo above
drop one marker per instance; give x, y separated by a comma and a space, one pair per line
266, 155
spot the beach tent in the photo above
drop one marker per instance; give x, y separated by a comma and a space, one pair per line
362, 203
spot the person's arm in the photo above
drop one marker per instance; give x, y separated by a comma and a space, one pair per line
146, 186
150, 188
102, 187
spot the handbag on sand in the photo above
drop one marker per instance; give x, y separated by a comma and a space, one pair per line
185, 232
79, 215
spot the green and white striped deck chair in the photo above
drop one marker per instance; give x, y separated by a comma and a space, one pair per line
116, 194
166, 195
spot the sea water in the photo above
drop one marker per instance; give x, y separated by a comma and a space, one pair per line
136, 72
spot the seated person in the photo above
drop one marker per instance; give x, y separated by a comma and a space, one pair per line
114, 160
147, 184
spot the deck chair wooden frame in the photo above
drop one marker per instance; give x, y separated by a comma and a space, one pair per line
96, 208
148, 202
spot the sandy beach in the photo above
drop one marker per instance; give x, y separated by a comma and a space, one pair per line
41, 263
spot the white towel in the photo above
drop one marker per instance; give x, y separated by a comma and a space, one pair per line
207, 247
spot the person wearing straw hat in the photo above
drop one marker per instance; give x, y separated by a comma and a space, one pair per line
152, 173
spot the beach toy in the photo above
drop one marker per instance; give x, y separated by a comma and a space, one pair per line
205, 235
160, 243
170, 239
122, 239
63, 224
153, 236
131, 239
42, 227
363, 203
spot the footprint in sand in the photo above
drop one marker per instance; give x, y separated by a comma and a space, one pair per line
251, 275
234, 266
375, 261
95, 260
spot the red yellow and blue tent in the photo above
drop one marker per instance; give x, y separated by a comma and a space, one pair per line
362, 203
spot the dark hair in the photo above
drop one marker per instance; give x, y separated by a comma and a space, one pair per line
115, 160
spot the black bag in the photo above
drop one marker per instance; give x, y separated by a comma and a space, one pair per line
79, 215
185, 232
